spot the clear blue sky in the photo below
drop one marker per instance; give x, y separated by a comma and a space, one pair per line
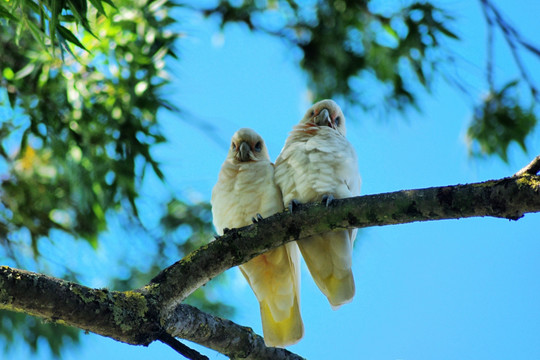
459, 289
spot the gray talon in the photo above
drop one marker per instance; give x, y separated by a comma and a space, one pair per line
293, 205
257, 218
327, 199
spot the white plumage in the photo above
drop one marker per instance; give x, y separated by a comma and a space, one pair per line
317, 161
244, 189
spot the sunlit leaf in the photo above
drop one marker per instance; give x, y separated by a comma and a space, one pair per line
391, 31
8, 73
68, 35
97, 4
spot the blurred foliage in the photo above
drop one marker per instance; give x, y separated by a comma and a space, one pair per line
503, 117
376, 56
32, 329
346, 43
184, 227
499, 121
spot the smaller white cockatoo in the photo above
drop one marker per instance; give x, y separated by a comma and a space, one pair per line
318, 163
246, 191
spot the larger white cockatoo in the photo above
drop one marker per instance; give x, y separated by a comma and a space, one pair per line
246, 190
318, 163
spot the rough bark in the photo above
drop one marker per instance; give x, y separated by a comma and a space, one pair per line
126, 316
235, 341
141, 316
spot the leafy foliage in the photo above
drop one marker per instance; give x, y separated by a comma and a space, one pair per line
502, 118
376, 57
89, 122
499, 121
77, 124
347, 44
44, 19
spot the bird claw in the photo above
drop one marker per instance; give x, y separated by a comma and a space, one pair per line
293, 205
327, 199
257, 218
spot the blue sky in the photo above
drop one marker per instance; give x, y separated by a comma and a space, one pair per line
464, 289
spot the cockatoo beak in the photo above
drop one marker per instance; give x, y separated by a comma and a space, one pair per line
243, 151
323, 119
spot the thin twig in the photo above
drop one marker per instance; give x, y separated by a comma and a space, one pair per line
511, 35
180, 348
490, 46
531, 169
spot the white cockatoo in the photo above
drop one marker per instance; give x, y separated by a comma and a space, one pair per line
245, 191
318, 163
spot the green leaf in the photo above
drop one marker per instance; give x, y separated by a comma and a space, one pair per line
36, 33
68, 35
500, 121
110, 3
25, 71
56, 9
446, 31
97, 4
5, 13
78, 9
390, 31
67, 18
8, 73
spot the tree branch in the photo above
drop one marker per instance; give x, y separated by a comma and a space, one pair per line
235, 341
124, 316
505, 198
141, 316
531, 169
180, 348
129, 316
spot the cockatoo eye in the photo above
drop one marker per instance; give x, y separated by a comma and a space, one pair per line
337, 121
312, 113
258, 146
233, 145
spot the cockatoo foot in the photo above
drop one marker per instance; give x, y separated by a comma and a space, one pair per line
293, 205
257, 218
327, 199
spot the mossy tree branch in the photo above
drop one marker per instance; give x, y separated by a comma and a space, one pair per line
143, 315
508, 198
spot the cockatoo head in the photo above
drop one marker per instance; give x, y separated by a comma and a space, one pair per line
247, 145
326, 113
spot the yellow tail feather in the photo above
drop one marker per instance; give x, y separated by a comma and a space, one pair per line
282, 333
